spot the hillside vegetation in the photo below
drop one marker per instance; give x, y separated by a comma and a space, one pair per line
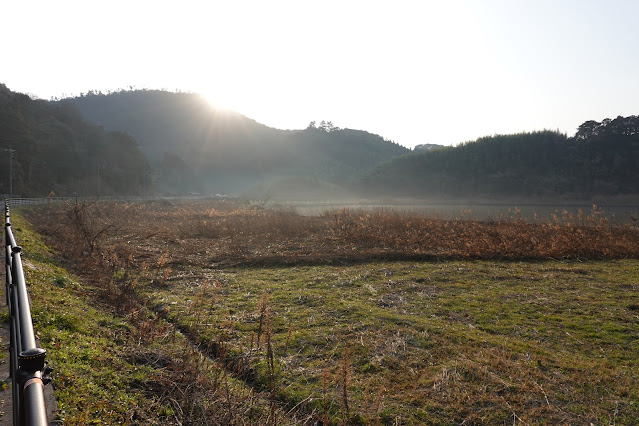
602, 159
225, 151
158, 142
197, 146
57, 150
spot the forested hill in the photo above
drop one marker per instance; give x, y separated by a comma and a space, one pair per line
602, 159
56, 150
197, 147
63, 147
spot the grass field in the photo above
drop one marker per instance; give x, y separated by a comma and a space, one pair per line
378, 318
117, 368
432, 342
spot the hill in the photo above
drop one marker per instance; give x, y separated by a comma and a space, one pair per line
197, 147
56, 150
427, 147
193, 147
601, 160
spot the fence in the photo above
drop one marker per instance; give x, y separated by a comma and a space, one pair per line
27, 363
17, 201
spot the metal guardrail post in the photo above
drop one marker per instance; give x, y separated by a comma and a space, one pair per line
27, 360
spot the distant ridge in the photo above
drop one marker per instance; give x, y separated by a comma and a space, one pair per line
427, 147
157, 142
198, 147
601, 160
55, 151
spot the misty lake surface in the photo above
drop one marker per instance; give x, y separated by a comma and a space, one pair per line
620, 214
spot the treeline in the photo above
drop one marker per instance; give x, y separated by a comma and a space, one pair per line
54, 150
151, 141
197, 147
602, 159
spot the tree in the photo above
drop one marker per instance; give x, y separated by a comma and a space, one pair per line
626, 126
327, 126
587, 130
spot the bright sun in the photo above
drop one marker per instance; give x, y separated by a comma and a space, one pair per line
224, 101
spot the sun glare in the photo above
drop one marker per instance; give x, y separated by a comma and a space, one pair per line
230, 93
221, 101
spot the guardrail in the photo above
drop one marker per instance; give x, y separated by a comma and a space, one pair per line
27, 361
14, 202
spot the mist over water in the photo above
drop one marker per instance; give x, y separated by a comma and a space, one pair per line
477, 211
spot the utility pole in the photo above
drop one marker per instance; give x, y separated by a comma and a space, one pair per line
98, 179
11, 151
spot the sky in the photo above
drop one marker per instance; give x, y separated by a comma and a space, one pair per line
414, 72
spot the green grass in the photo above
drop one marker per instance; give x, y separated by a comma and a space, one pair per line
353, 339
442, 342
113, 370
92, 381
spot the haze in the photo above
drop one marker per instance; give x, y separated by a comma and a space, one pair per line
413, 72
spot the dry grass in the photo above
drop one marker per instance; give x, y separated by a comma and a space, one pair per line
181, 385
226, 233
565, 236
354, 340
